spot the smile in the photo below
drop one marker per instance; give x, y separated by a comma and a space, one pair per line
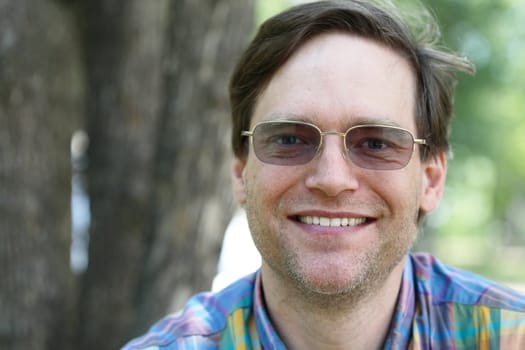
331, 222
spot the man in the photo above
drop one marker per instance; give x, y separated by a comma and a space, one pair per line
340, 124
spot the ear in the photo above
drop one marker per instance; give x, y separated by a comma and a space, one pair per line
238, 183
433, 184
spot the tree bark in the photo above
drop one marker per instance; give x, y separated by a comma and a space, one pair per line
193, 201
158, 175
149, 79
124, 48
40, 99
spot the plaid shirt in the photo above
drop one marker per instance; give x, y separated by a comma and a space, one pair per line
439, 307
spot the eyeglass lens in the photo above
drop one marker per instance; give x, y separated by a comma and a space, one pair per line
371, 147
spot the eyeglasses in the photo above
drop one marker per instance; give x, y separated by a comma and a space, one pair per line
376, 147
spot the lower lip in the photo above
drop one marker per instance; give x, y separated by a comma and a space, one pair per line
332, 230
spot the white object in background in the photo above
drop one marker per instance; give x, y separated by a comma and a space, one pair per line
239, 256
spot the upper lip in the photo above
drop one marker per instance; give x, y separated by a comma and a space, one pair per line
329, 214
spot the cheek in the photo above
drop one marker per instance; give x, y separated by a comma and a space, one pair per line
270, 181
401, 190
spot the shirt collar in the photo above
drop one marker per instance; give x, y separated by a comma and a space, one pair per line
401, 325
267, 334
400, 332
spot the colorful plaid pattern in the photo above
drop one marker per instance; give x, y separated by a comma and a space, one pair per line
439, 307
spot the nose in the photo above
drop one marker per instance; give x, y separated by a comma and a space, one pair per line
332, 173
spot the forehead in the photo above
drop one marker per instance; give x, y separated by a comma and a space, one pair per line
339, 78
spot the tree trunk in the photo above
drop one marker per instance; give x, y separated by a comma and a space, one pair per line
158, 175
124, 49
39, 108
193, 201
150, 78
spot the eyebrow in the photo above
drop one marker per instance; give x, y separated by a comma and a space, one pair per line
288, 117
353, 121
360, 120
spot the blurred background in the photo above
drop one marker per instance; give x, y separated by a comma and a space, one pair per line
114, 157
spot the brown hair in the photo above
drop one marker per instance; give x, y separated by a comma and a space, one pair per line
280, 36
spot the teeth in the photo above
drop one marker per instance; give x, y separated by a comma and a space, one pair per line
331, 222
335, 222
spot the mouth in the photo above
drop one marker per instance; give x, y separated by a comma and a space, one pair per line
332, 221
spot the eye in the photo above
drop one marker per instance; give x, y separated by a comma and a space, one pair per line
376, 144
286, 139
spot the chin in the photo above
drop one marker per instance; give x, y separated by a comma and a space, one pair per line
350, 279
330, 279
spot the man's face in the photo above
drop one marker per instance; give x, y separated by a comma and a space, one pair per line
337, 81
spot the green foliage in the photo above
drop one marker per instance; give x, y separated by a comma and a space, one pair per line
486, 185
267, 8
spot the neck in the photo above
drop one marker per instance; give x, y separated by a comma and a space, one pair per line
310, 321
